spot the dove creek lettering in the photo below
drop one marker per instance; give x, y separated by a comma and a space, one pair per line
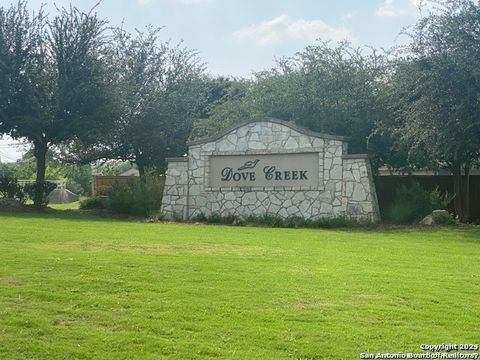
228, 174
291, 169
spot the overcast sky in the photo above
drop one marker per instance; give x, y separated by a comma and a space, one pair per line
238, 37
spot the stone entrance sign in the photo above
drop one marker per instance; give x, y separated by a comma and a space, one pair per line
264, 170
269, 166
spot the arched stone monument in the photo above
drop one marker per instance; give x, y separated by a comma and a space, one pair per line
269, 166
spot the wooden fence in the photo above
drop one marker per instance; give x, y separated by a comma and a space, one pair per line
387, 187
101, 185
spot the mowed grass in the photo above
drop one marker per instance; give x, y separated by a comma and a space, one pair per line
77, 287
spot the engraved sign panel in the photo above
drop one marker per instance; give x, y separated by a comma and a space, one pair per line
264, 170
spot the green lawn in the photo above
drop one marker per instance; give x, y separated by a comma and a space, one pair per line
73, 286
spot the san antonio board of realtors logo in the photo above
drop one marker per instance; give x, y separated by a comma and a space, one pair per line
270, 172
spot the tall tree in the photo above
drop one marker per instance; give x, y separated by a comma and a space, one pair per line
53, 83
326, 88
437, 86
159, 92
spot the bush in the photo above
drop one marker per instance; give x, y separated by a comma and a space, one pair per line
279, 222
74, 187
440, 201
95, 202
10, 189
444, 219
412, 203
46, 188
136, 197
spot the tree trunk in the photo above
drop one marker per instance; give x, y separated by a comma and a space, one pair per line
457, 191
40, 152
466, 194
141, 171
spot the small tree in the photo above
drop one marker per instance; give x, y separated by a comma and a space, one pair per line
53, 86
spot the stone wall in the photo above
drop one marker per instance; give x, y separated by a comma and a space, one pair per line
345, 186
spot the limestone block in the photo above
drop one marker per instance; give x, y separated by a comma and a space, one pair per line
327, 164
318, 143
230, 196
304, 142
336, 172
348, 175
338, 186
201, 201
228, 205
356, 174
260, 210
242, 144
195, 190
253, 136
257, 145
225, 145
215, 207
312, 194
349, 189
293, 211
182, 200
291, 144
232, 138
275, 200
283, 213
242, 132
326, 196
208, 147
173, 172
249, 198
274, 145
273, 208
359, 193
363, 170
173, 190
304, 206
299, 196
261, 196
325, 208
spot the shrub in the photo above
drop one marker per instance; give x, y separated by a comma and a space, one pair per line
74, 187
444, 219
439, 200
279, 222
10, 189
46, 188
412, 203
94, 202
136, 197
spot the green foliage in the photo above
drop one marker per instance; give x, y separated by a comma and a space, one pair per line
444, 219
93, 202
439, 200
270, 220
412, 203
136, 197
325, 88
44, 189
163, 83
435, 93
10, 189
